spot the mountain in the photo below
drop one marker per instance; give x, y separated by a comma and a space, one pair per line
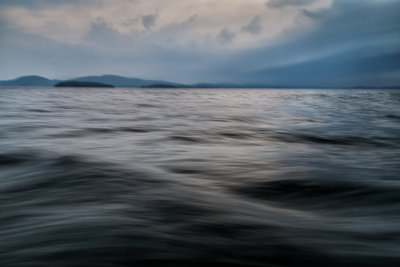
81, 84
114, 80
161, 85
31, 80
120, 81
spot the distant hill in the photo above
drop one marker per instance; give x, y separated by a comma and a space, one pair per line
31, 80
160, 85
120, 81
114, 80
81, 84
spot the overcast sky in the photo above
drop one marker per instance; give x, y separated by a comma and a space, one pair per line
289, 42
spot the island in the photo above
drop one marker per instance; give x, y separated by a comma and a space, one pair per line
82, 84
161, 85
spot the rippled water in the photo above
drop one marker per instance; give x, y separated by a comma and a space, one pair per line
147, 177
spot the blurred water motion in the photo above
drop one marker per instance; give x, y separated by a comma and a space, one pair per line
130, 177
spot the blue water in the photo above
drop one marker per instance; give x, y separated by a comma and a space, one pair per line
194, 177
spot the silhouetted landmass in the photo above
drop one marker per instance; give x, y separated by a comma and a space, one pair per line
161, 86
32, 80
81, 84
120, 81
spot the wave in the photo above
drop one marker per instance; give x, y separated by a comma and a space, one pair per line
392, 116
39, 110
344, 140
13, 158
93, 131
254, 135
32, 172
74, 210
327, 194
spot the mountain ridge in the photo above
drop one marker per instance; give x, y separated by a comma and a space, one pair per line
133, 82
30, 80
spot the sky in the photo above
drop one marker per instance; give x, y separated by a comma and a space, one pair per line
274, 42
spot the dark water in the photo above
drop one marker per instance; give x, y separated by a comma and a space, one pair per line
130, 177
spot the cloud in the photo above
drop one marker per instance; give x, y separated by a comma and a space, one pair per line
285, 3
254, 26
131, 22
314, 14
101, 33
173, 23
225, 36
190, 20
309, 42
347, 68
148, 21
351, 44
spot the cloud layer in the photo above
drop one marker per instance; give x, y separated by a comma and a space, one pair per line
190, 41
286, 3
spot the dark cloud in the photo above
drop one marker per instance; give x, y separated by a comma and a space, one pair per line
254, 26
285, 3
314, 14
191, 19
226, 36
341, 69
101, 32
148, 21
352, 44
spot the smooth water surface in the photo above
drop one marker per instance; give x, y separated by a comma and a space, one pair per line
175, 177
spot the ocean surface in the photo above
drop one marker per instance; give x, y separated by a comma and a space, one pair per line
199, 177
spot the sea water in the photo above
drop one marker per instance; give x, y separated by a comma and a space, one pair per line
193, 177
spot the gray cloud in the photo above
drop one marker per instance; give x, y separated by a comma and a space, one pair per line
353, 43
254, 26
148, 21
131, 21
226, 36
101, 33
31, 3
341, 69
191, 19
314, 14
285, 3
